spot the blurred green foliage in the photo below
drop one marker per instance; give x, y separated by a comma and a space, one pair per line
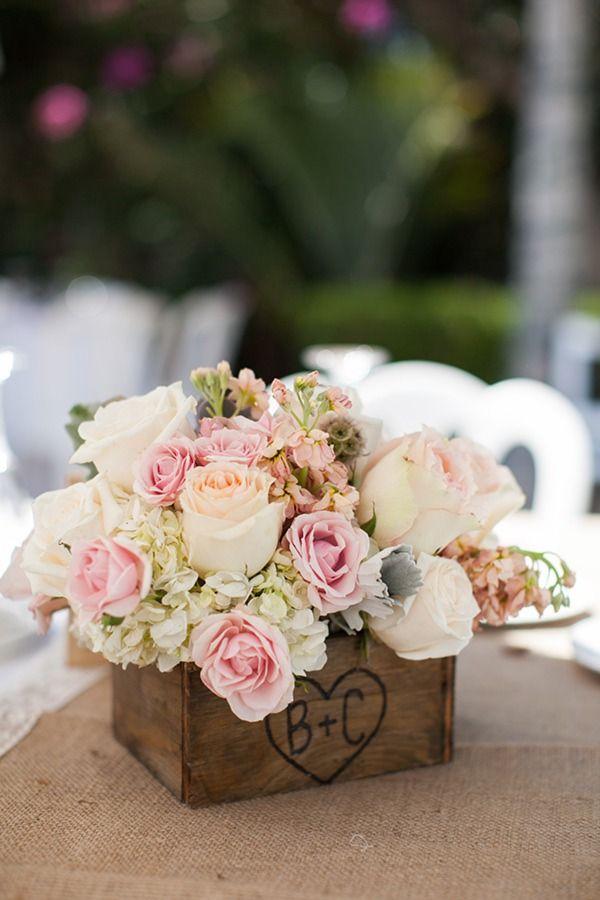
466, 324
262, 141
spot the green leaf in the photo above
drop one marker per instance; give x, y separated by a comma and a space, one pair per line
111, 620
302, 476
365, 642
369, 527
78, 414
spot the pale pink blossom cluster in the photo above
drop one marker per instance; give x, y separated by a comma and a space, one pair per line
503, 580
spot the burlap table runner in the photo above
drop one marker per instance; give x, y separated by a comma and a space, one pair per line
516, 815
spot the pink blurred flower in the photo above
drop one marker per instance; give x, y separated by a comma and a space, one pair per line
161, 470
189, 57
107, 9
246, 661
327, 550
107, 575
366, 16
43, 608
60, 111
127, 68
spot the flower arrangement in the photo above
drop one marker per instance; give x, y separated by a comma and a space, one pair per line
242, 541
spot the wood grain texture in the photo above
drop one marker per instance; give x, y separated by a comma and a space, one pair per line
354, 719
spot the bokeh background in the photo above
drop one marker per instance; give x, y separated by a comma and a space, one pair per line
185, 180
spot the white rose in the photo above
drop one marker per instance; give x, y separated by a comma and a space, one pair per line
438, 620
88, 509
122, 430
228, 523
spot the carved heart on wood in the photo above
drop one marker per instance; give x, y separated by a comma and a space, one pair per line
324, 730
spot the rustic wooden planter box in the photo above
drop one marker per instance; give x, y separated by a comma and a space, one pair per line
353, 719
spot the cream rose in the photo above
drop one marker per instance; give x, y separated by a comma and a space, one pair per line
228, 523
427, 490
86, 510
438, 620
121, 431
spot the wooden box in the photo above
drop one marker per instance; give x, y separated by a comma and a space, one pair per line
353, 719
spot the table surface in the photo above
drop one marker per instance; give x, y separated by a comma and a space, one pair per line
516, 814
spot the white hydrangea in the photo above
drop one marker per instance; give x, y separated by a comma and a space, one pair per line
156, 632
223, 590
280, 596
158, 533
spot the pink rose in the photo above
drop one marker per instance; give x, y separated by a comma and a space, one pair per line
327, 551
233, 445
427, 490
311, 449
107, 575
246, 661
161, 470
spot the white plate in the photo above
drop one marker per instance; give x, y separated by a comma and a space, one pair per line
586, 643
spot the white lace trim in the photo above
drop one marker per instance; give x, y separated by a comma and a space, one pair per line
46, 685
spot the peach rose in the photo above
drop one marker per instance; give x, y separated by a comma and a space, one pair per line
228, 523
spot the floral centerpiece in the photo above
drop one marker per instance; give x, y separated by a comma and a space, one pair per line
240, 529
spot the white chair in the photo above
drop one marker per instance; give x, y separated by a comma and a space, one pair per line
204, 328
522, 412
407, 395
90, 343
513, 413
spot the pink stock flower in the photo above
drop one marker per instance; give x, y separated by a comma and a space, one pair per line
338, 401
127, 68
60, 111
366, 16
310, 449
249, 392
246, 661
327, 550
235, 445
281, 393
502, 580
161, 470
107, 575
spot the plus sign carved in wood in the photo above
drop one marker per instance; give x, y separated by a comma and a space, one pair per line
307, 738
353, 719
